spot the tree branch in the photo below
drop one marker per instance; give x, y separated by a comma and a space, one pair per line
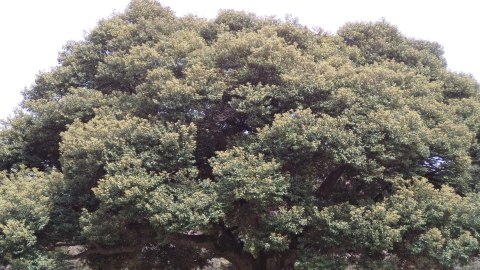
179, 239
331, 180
52, 246
101, 250
222, 245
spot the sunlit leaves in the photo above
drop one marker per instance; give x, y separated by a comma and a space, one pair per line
26, 202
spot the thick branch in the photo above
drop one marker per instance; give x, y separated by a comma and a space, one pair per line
221, 245
101, 250
331, 179
53, 246
203, 241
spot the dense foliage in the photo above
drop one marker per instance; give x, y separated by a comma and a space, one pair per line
161, 141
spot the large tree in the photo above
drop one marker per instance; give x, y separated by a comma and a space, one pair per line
161, 141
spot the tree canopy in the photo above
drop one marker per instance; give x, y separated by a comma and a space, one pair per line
161, 141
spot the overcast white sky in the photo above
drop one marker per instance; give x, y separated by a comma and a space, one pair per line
34, 31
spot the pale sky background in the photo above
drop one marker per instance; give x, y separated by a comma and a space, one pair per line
34, 31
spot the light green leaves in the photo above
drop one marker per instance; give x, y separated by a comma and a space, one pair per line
26, 203
244, 176
101, 144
